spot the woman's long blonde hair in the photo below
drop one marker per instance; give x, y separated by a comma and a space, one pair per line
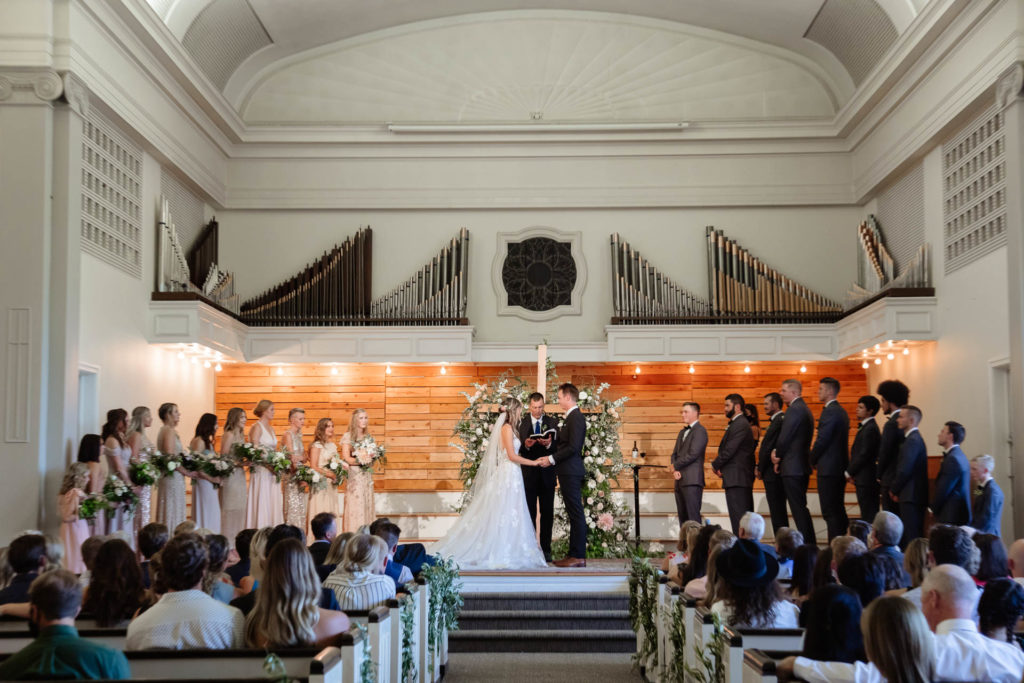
75, 477
258, 552
336, 552
513, 409
135, 423
897, 640
720, 540
286, 611
915, 561
352, 427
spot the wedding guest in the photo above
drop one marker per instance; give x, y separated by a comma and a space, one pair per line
334, 555
915, 561
186, 527
994, 564
752, 528
711, 588
141, 446
1016, 560
89, 451
866, 574
321, 453
843, 547
831, 619
73, 530
397, 572
27, 557
295, 498
265, 506
240, 569
951, 501
412, 555
860, 530
672, 561
987, 507
946, 545
286, 612
216, 583
359, 488
116, 589
57, 652
257, 554
233, 493
1000, 607
170, 500
117, 453
824, 569
697, 566
152, 538
886, 532
750, 411
359, 582
185, 618
90, 547
751, 597
786, 542
205, 501
324, 526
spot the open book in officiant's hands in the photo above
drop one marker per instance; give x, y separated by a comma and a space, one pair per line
544, 438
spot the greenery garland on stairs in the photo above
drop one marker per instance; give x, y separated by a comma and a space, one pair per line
710, 668
676, 616
643, 607
408, 656
445, 601
368, 669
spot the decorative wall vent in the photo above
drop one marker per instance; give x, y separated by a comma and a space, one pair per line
539, 273
974, 191
111, 196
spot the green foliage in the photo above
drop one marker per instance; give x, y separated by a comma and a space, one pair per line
643, 607
368, 669
445, 600
408, 656
92, 505
677, 638
709, 667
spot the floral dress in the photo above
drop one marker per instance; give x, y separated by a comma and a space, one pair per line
170, 495
327, 499
144, 509
358, 496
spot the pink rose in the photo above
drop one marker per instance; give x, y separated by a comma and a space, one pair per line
605, 521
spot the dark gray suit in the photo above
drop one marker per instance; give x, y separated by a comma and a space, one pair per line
793, 449
830, 456
888, 453
568, 457
688, 460
910, 484
773, 491
951, 502
735, 462
863, 469
539, 482
987, 509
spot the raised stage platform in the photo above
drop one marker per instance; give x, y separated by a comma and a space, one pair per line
599, 576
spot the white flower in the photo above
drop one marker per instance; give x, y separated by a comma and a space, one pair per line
591, 523
469, 482
600, 506
333, 465
590, 500
655, 547
171, 465
610, 449
484, 443
316, 477
591, 484
584, 396
479, 431
588, 460
600, 477
618, 537
604, 544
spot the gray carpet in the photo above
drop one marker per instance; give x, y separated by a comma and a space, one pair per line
539, 667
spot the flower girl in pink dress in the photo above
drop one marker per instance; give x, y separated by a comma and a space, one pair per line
73, 531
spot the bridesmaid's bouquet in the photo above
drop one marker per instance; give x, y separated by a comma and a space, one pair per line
277, 462
368, 453
143, 473
166, 463
338, 466
246, 454
217, 466
118, 492
309, 479
91, 506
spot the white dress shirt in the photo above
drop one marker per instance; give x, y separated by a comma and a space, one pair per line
187, 620
961, 654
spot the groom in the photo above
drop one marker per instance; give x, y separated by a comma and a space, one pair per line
568, 463
538, 482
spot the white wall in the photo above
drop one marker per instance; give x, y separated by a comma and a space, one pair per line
263, 248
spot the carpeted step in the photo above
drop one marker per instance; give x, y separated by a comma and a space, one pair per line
519, 620
545, 601
542, 640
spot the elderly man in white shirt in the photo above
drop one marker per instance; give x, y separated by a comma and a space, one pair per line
186, 618
948, 600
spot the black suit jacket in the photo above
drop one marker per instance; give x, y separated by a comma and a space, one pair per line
569, 453
688, 455
831, 451
768, 441
794, 442
319, 551
863, 453
951, 502
889, 450
910, 483
736, 454
987, 509
526, 429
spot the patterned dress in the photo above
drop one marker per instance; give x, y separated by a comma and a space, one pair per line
234, 495
265, 506
358, 496
295, 499
326, 500
170, 498
119, 519
144, 512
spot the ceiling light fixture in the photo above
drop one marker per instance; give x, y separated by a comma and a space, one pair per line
637, 127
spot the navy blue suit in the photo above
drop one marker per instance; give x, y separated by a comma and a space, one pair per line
888, 453
863, 469
774, 494
793, 450
539, 482
735, 462
688, 459
910, 484
568, 458
951, 502
988, 508
830, 456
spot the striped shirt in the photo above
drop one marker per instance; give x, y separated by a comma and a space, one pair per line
360, 590
186, 620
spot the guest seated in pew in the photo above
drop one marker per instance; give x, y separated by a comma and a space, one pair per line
1000, 607
697, 566
786, 542
750, 595
217, 583
947, 545
117, 589
412, 555
54, 551
57, 651
240, 569
713, 584
752, 529
186, 527
959, 652
358, 581
185, 617
324, 526
90, 547
698, 587
886, 532
865, 574
397, 572
1016, 560
860, 530
993, 562
831, 618
805, 559
27, 557
843, 547
334, 555
824, 573
152, 538
687, 536
257, 554
286, 613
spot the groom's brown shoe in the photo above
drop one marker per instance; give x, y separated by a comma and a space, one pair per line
571, 562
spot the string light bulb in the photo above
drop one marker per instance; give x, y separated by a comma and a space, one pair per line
194, 361
692, 370
217, 367
387, 369
636, 370
803, 368
864, 365
890, 343
334, 370
444, 370
878, 361
746, 368
280, 370
891, 356
906, 351
206, 364
181, 355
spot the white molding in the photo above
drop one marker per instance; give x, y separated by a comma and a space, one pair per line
386, 344
180, 322
575, 239
914, 319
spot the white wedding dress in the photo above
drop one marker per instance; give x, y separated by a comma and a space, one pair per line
494, 530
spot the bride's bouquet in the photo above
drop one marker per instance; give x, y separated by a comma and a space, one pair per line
117, 492
309, 479
368, 453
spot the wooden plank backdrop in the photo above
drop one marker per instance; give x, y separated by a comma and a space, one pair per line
414, 409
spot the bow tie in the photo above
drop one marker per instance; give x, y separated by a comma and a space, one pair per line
686, 428
860, 426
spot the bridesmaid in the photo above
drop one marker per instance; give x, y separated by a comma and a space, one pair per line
73, 531
205, 502
170, 499
233, 493
141, 420
359, 488
295, 499
320, 454
265, 506
117, 453
89, 450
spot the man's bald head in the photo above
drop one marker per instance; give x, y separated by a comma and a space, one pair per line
1016, 558
948, 592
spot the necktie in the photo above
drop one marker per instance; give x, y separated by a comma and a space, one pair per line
536, 426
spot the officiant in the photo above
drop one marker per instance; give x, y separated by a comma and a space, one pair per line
537, 432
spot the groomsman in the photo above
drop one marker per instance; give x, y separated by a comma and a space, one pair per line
830, 456
863, 471
895, 395
539, 482
735, 462
910, 483
688, 464
987, 508
791, 455
773, 491
951, 501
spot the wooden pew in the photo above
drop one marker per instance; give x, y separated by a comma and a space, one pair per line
695, 629
659, 660
762, 639
378, 629
409, 602
12, 641
427, 668
758, 667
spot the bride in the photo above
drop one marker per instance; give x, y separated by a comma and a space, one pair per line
495, 530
